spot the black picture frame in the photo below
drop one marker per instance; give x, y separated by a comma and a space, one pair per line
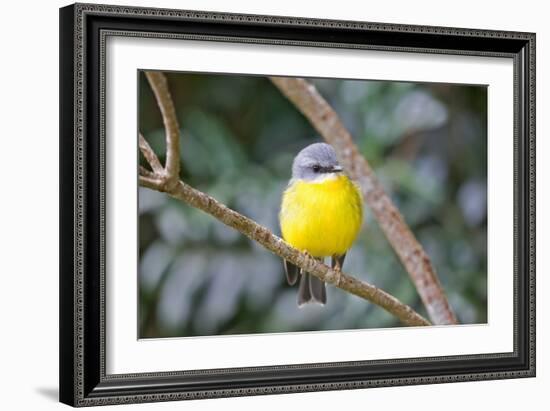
83, 381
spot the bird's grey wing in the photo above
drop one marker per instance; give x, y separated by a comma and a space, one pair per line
291, 272
338, 259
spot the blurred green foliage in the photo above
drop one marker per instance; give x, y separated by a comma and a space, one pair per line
427, 144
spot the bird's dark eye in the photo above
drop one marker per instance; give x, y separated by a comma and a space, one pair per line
316, 168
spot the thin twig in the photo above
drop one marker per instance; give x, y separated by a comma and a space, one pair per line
146, 173
159, 85
150, 155
324, 119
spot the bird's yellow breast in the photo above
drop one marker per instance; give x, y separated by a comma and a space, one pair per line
322, 218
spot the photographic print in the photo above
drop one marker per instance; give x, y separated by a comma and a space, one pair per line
256, 145
257, 204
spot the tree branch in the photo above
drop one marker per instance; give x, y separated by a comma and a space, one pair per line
324, 119
262, 235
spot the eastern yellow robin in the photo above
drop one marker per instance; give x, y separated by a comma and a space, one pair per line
321, 214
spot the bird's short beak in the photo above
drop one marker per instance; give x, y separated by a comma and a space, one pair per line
337, 169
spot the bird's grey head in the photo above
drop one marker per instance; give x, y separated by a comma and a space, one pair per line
315, 162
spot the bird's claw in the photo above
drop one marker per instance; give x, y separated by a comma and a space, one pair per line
309, 256
338, 270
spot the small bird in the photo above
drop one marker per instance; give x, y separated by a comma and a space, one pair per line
321, 214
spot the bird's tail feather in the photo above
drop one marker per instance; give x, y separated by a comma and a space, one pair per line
304, 294
311, 290
318, 290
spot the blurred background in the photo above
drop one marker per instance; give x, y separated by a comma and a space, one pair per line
427, 144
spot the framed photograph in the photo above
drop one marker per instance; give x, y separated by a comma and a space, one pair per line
261, 204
